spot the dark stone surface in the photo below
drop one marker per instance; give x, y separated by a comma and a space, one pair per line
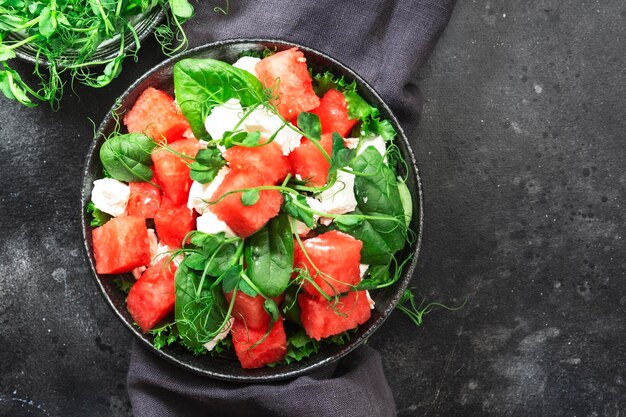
521, 150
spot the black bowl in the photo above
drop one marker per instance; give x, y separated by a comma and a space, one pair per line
227, 367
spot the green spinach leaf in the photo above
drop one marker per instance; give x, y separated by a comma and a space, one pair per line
298, 212
341, 156
310, 124
269, 256
128, 157
377, 194
206, 166
200, 307
201, 84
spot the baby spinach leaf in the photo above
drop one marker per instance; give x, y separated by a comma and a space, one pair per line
127, 157
201, 84
297, 212
271, 307
246, 288
377, 194
269, 256
376, 275
341, 156
231, 278
290, 307
199, 311
250, 197
310, 124
206, 166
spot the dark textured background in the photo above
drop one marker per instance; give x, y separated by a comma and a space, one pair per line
521, 149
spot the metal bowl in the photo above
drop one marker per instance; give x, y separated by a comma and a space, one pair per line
144, 26
226, 367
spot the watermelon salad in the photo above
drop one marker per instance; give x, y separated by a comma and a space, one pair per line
252, 211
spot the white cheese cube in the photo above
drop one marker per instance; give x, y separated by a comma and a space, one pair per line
363, 269
351, 143
339, 198
163, 251
199, 193
210, 345
211, 224
377, 142
110, 196
267, 123
369, 299
223, 118
247, 63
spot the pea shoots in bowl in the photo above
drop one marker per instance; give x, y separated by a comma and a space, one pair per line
259, 203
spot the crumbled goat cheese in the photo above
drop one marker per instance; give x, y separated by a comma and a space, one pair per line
339, 198
267, 123
369, 299
110, 196
199, 193
247, 63
211, 224
363, 269
223, 118
351, 143
377, 142
210, 345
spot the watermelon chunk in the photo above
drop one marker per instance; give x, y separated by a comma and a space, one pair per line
144, 200
156, 114
333, 114
152, 297
321, 318
245, 220
267, 159
249, 310
121, 245
311, 164
172, 171
173, 222
337, 256
272, 349
287, 74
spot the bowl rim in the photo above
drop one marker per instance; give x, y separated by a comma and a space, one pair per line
400, 286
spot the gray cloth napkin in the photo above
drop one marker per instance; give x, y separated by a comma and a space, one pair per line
386, 42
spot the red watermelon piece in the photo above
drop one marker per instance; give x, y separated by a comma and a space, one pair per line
271, 349
337, 256
311, 164
152, 297
121, 245
172, 170
321, 318
249, 310
144, 200
245, 220
268, 159
287, 74
173, 222
156, 114
333, 114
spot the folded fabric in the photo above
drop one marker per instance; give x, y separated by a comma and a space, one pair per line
355, 386
386, 42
